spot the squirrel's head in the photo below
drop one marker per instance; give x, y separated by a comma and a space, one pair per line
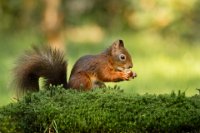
122, 59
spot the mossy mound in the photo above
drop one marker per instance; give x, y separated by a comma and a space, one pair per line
101, 110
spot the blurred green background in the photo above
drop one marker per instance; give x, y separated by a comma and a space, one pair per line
163, 37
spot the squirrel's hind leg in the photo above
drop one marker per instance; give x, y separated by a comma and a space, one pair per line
80, 81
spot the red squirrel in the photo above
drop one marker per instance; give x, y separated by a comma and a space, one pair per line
90, 71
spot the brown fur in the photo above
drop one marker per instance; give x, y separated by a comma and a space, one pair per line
38, 63
89, 71
100, 68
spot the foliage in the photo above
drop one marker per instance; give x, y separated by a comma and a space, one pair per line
101, 110
178, 18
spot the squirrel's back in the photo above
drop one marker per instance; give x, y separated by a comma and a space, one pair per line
88, 63
40, 62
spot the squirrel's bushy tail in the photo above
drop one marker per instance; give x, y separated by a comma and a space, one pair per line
45, 62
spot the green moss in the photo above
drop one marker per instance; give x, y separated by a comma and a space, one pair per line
101, 110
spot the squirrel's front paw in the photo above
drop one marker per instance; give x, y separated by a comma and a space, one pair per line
125, 75
130, 73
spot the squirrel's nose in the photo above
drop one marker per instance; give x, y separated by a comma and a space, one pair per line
130, 66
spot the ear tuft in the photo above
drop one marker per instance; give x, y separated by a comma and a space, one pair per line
121, 43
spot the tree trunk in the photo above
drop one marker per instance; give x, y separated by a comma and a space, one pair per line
52, 24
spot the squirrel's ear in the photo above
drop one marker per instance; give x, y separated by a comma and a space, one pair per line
115, 47
118, 44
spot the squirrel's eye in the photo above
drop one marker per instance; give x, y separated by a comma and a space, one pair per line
122, 57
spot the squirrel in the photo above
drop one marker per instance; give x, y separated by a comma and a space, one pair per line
90, 71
